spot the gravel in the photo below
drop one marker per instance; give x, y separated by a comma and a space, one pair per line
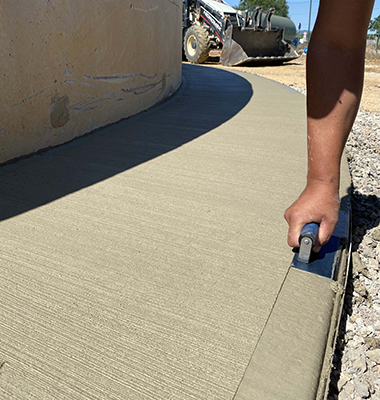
356, 371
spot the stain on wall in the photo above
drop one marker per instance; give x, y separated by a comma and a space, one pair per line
59, 111
70, 67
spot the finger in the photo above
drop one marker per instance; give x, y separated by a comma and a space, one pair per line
294, 234
324, 234
292, 230
294, 227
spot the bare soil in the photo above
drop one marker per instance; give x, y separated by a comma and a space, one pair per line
294, 74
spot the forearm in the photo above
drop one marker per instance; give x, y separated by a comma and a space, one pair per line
335, 66
334, 81
335, 70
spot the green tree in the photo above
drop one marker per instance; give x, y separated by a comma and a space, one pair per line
281, 6
374, 24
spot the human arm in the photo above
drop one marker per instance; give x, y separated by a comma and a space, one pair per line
335, 70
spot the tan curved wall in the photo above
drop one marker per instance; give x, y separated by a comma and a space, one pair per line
68, 67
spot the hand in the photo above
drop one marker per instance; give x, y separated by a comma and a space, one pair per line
319, 203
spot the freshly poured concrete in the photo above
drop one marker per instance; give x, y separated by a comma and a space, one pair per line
149, 260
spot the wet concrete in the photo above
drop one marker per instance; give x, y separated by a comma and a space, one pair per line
146, 261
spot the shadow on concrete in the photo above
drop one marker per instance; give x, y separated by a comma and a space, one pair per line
208, 98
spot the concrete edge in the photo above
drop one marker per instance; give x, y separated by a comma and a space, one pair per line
300, 334
342, 278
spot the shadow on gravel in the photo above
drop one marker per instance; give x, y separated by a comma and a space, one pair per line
209, 98
365, 217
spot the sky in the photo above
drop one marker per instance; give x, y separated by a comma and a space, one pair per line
299, 11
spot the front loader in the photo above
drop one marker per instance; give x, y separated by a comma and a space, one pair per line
244, 37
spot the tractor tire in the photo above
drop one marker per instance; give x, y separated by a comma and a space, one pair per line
196, 44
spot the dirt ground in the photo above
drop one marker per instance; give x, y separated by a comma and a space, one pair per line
294, 74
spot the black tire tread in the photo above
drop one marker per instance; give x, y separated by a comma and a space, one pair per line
203, 44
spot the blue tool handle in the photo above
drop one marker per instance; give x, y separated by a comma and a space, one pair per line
310, 231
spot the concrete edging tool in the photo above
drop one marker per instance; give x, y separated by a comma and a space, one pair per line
307, 240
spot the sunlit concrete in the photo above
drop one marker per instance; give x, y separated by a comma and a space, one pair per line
149, 259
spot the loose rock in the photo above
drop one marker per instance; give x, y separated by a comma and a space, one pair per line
376, 234
374, 355
362, 389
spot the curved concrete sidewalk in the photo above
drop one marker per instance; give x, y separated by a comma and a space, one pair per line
149, 259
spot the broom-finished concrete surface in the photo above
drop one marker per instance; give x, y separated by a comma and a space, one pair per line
149, 259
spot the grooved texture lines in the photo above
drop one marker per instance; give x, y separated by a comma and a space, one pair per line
142, 262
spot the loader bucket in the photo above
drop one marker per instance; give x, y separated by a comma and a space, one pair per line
242, 46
